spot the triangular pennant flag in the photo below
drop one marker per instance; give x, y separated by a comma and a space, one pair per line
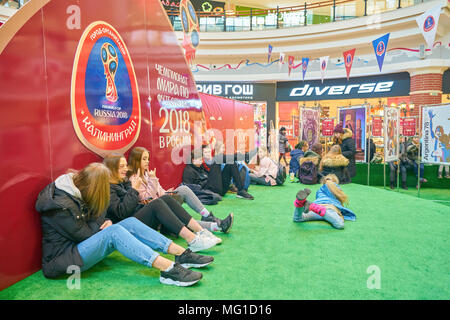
281, 60
380, 46
290, 63
304, 66
323, 66
428, 23
348, 60
269, 54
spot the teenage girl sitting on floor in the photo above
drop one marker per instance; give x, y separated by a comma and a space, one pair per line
328, 206
150, 188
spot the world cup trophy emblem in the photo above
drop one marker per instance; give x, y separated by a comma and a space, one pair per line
110, 62
189, 22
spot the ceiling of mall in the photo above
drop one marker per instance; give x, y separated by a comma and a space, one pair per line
266, 3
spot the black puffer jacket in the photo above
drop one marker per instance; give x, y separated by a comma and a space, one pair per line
349, 150
195, 175
124, 201
65, 223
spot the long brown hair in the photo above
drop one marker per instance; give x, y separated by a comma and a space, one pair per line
332, 181
334, 150
134, 161
93, 183
112, 162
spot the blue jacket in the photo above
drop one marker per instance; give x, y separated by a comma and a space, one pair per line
325, 196
294, 164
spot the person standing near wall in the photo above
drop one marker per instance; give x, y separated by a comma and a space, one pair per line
283, 145
344, 138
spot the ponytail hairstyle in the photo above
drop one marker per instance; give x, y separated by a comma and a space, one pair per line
93, 183
134, 161
112, 162
332, 182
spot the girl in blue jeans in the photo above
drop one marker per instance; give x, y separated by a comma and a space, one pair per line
76, 233
328, 206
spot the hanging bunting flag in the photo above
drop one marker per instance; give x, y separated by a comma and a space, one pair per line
270, 53
348, 61
290, 63
281, 60
189, 22
305, 62
428, 23
323, 66
380, 45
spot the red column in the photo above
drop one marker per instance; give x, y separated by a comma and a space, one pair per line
425, 89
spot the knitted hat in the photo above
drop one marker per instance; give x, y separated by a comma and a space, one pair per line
338, 128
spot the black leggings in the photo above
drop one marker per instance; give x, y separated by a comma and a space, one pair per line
164, 211
219, 180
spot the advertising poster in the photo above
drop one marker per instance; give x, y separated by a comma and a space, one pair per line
310, 120
391, 134
377, 127
436, 134
354, 119
327, 127
408, 127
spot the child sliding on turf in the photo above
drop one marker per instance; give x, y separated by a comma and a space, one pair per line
328, 206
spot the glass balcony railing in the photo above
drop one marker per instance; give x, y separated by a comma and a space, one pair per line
301, 15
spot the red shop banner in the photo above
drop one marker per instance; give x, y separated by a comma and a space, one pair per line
327, 127
409, 127
377, 126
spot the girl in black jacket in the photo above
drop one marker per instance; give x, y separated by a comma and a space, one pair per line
164, 211
76, 233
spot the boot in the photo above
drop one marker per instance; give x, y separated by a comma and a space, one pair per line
300, 199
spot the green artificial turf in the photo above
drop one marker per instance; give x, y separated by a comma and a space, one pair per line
267, 256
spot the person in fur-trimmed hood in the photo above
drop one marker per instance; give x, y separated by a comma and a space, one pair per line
314, 155
334, 162
344, 138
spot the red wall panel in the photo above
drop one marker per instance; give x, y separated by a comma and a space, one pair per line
37, 137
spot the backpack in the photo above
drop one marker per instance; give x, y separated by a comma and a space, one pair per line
281, 174
307, 173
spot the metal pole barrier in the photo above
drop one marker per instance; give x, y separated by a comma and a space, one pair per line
278, 26
420, 155
365, 7
398, 171
368, 169
251, 19
305, 14
384, 173
334, 10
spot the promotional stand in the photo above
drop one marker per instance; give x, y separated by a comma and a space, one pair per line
376, 131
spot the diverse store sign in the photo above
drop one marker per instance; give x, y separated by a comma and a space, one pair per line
390, 85
436, 134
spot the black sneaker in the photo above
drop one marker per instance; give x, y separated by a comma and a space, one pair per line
190, 259
180, 276
226, 223
233, 189
244, 195
211, 218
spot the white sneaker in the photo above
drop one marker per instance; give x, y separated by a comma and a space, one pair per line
201, 243
209, 234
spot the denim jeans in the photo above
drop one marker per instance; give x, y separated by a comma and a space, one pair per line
330, 216
131, 237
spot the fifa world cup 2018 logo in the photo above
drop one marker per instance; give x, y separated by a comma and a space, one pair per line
110, 62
